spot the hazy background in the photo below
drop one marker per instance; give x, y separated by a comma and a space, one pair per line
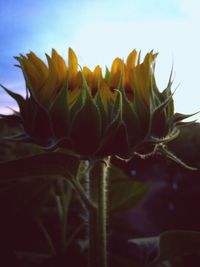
99, 31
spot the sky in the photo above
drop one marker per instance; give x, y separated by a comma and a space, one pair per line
101, 30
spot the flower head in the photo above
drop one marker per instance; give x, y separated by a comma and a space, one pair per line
92, 114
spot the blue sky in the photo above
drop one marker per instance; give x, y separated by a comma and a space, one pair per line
99, 31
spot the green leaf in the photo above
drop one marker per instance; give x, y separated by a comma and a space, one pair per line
25, 196
49, 164
119, 261
147, 248
178, 243
168, 246
124, 193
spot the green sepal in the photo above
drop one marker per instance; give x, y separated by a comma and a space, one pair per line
18, 138
18, 98
86, 126
143, 113
116, 133
112, 128
34, 117
117, 108
178, 117
130, 119
15, 118
59, 113
158, 121
164, 151
104, 115
37, 123
170, 107
107, 75
165, 139
78, 104
166, 93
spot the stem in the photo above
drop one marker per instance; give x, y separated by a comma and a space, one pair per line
89, 205
65, 199
47, 237
63, 202
97, 189
74, 234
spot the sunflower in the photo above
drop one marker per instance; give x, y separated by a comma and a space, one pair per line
92, 114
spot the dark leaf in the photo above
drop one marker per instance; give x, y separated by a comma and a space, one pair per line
124, 193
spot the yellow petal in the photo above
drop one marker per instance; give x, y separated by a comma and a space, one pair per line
72, 69
97, 72
73, 95
97, 77
39, 64
49, 88
117, 72
143, 80
131, 60
88, 75
107, 96
117, 65
60, 66
31, 73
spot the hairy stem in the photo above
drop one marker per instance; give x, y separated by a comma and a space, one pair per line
97, 191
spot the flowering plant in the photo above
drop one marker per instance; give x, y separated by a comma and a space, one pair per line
82, 118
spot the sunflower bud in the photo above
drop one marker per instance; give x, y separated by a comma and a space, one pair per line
91, 114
